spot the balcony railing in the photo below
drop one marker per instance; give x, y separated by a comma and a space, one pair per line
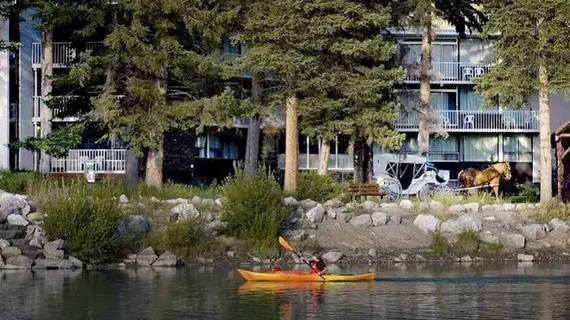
337, 162
56, 111
448, 71
64, 53
105, 160
473, 121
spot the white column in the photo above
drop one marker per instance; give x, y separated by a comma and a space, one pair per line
501, 156
4, 98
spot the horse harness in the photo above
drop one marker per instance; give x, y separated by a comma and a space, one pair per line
500, 175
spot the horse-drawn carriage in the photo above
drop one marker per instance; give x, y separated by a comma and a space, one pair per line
412, 175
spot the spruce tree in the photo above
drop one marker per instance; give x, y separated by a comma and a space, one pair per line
532, 49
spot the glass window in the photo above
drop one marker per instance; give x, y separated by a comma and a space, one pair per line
200, 145
517, 148
480, 148
444, 149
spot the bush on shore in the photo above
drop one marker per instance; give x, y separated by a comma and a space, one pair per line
183, 238
253, 209
317, 187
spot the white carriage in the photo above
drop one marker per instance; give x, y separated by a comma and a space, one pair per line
402, 175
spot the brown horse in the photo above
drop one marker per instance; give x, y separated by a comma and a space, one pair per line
489, 177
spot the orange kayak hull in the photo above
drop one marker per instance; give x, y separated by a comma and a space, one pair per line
295, 276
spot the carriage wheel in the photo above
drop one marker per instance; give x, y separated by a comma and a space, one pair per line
426, 192
393, 188
443, 190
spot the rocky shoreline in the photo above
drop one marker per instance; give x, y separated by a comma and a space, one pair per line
348, 233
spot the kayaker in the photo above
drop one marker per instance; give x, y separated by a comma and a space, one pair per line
318, 264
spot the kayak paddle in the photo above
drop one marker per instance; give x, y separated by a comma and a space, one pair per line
288, 247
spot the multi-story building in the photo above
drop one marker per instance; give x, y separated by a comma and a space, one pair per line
471, 135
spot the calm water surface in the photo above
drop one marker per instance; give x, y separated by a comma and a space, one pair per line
517, 291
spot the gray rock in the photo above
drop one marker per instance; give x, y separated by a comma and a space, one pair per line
332, 213
379, 218
12, 204
332, 256
559, 225
37, 242
19, 262
362, 221
396, 219
290, 201
207, 216
167, 259
434, 205
154, 199
533, 231
466, 259
209, 203
36, 216
372, 252
4, 244
220, 202
18, 220
470, 222
472, 207
451, 226
9, 252
316, 214
389, 205
308, 204
139, 224
513, 241
196, 200
497, 207
231, 254
123, 199
456, 208
401, 258
488, 237
509, 206
58, 244
345, 216
352, 205
27, 210
53, 264
525, 257
334, 203
2, 264
146, 257
521, 206
427, 223
186, 211
406, 204
76, 262
370, 205
486, 207
215, 225
421, 258
54, 254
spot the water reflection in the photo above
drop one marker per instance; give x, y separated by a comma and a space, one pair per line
475, 291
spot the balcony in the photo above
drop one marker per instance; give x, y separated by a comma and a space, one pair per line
56, 118
64, 53
337, 162
107, 161
514, 121
448, 72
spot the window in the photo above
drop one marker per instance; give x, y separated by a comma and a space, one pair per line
443, 100
517, 148
480, 148
441, 149
230, 48
200, 145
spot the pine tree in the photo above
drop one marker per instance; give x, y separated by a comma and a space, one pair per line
162, 58
327, 62
532, 49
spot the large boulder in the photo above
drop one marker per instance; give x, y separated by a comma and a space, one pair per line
558, 225
53, 264
344, 215
18, 220
533, 231
370, 205
58, 244
146, 257
167, 259
525, 257
334, 203
76, 262
308, 204
185, 211
316, 214
9, 252
209, 203
513, 241
137, 223
362, 221
19, 262
472, 207
470, 222
123, 199
379, 218
4, 244
427, 223
11, 204
488, 237
456, 208
290, 201
406, 204
332, 256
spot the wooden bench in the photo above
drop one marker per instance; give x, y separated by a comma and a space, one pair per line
365, 189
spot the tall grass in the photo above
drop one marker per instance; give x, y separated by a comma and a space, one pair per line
318, 187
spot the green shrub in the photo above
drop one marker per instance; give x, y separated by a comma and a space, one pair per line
317, 187
18, 182
524, 194
183, 238
88, 226
469, 242
253, 210
439, 245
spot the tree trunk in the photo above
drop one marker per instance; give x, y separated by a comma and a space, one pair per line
154, 163
545, 145
253, 132
368, 163
425, 86
560, 170
46, 113
358, 160
324, 157
291, 144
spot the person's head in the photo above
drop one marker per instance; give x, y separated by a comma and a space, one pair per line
317, 255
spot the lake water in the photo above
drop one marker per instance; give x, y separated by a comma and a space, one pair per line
515, 291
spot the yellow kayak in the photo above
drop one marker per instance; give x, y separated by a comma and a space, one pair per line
296, 276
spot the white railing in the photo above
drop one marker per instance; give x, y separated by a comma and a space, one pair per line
56, 111
337, 162
64, 53
105, 160
448, 71
466, 120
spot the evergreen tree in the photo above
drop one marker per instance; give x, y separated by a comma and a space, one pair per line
532, 49
162, 60
330, 64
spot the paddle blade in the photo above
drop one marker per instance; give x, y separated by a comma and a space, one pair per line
284, 244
